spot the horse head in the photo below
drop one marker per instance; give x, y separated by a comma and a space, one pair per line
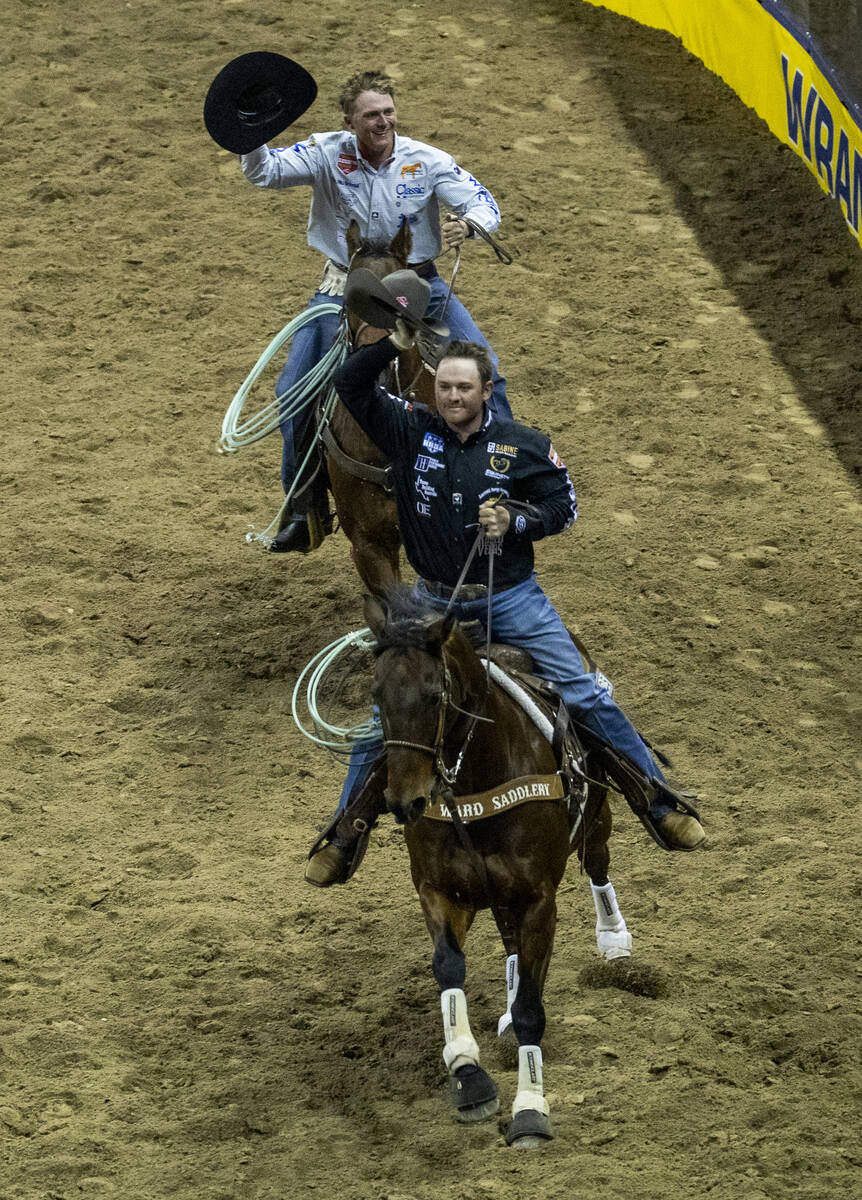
381, 261
421, 691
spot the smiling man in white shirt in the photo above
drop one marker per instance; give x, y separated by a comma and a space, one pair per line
367, 172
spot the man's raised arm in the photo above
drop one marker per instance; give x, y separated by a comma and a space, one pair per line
379, 414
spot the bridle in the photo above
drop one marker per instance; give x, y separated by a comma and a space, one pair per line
444, 776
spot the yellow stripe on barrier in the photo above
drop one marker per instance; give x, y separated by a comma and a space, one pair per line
772, 72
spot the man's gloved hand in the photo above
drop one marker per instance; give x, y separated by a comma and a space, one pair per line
454, 231
401, 336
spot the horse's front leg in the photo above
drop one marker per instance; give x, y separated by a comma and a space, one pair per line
471, 1089
531, 1123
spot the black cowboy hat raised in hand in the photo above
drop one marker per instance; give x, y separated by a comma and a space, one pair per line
254, 98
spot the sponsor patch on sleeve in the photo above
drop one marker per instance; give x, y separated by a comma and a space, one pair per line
347, 163
555, 458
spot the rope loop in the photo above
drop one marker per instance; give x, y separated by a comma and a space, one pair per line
237, 433
307, 692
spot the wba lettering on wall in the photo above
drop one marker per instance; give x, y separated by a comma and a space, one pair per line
822, 133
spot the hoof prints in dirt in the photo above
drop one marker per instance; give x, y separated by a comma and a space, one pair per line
626, 975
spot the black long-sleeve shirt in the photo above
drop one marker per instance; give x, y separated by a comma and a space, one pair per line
440, 481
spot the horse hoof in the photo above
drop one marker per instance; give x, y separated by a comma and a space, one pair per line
474, 1094
528, 1130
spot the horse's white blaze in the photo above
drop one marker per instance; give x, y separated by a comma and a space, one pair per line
531, 1089
612, 937
461, 1047
511, 992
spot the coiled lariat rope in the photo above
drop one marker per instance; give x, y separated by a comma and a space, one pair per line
306, 694
235, 435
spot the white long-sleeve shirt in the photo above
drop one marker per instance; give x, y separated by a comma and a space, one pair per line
409, 185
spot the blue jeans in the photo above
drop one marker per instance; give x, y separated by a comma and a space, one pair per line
311, 343
524, 616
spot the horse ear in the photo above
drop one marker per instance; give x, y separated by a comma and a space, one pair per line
402, 243
375, 615
438, 631
354, 238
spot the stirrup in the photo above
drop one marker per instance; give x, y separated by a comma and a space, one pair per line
354, 850
679, 802
319, 522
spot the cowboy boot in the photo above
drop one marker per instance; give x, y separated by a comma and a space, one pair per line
668, 816
336, 855
304, 532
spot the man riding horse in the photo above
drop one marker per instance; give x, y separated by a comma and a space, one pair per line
368, 173
455, 471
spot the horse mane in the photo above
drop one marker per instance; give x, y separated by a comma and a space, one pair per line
407, 620
372, 250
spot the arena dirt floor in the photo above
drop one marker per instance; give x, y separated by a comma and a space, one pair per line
181, 1015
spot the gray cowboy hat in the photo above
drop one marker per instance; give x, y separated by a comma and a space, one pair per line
254, 98
381, 302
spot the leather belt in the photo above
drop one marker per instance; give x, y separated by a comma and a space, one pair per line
425, 270
467, 591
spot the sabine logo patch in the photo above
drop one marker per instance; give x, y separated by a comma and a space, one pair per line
347, 163
499, 448
433, 442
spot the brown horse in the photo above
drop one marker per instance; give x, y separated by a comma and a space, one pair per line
356, 467
448, 728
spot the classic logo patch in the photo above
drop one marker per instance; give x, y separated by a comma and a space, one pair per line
433, 442
347, 163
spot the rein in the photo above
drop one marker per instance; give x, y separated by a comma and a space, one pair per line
448, 775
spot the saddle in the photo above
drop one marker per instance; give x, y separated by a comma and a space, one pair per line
574, 745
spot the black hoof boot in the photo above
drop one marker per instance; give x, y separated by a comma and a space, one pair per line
474, 1094
529, 1129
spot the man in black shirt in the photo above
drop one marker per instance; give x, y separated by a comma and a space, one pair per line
454, 471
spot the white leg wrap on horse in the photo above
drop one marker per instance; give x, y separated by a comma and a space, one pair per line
531, 1090
461, 1047
612, 937
511, 992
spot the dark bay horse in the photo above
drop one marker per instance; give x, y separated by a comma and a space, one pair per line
355, 465
454, 736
